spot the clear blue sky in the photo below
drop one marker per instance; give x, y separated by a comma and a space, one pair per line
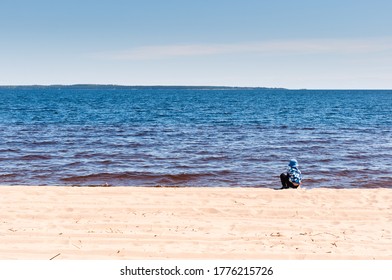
272, 43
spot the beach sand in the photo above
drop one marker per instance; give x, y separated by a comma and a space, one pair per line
194, 223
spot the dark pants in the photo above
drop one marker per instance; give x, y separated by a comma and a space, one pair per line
284, 178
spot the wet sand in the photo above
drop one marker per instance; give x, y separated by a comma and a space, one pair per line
194, 223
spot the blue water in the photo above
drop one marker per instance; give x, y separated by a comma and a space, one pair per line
187, 136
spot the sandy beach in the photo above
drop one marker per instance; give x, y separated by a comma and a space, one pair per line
194, 223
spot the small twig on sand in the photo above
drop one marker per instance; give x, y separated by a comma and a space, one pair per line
324, 233
55, 256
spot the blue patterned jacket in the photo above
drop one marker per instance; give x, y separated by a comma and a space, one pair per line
295, 175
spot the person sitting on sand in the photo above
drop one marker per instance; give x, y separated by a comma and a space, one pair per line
293, 177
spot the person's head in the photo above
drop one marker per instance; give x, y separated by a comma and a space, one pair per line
293, 163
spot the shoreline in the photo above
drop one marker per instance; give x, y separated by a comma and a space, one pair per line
44, 222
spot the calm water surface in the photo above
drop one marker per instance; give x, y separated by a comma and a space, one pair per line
179, 136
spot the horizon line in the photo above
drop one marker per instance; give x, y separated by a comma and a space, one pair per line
180, 86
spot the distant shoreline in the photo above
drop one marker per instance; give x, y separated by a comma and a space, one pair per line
170, 87
94, 86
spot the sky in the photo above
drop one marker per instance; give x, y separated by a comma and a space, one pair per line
314, 44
